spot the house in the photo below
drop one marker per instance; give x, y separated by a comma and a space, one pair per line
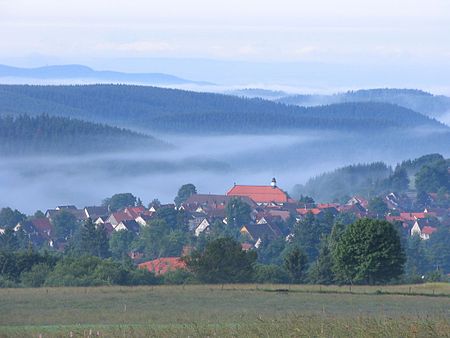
38, 230
257, 232
423, 231
144, 219
195, 219
284, 215
356, 209
161, 266
304, 212
394, 218
108, 227
246, 246
412, 216
134, 212
101, 220
129, 225
358, 200
427, 231
209, 201
327, 205
116, 217
79, 214
261, 194
96, 212
203, 226
66, 207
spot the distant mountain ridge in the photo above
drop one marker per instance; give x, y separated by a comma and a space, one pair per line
170, 110
80, 72
417, 100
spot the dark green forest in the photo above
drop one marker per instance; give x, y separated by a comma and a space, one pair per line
160, 109
28, 135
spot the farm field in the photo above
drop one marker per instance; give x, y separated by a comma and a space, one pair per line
228, 310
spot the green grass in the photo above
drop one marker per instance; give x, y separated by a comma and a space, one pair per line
229, 310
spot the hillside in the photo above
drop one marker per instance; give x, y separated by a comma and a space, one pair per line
170, 110
43, 134
343, 182
417, 100
374, 178
86, 74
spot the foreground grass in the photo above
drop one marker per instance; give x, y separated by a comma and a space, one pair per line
229, 310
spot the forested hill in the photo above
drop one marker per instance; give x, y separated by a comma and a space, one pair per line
43, 134
159, 109
417, 100
428, 173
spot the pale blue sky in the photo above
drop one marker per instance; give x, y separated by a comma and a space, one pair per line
283, 30
413, 35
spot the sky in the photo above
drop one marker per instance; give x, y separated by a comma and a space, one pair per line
371, 33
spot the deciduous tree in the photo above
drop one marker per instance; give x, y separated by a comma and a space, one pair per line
369, 252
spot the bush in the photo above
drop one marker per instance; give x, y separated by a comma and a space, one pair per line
222, 261
270, 274
6, 283
178, 277
142, 277
36, 276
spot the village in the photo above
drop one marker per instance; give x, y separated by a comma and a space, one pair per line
272, 213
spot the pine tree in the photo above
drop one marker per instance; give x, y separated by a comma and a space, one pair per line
295, 263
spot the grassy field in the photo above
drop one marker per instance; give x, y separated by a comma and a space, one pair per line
228, 310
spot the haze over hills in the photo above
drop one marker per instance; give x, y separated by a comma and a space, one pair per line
83, 74
418, 100
217, 140
436, 106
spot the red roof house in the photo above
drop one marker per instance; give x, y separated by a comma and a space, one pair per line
161, 266
314, 211
261, 194
428, 230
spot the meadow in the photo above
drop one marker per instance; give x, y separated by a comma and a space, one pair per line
227, 310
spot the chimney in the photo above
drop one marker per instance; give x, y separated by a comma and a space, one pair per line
273, 183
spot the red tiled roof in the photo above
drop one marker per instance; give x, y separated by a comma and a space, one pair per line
134, 212
259, 193
246, 246
412, 216
121, 216
41, 224
327, 205
391, 218
427, 230
314, 211
160, 266
284, 214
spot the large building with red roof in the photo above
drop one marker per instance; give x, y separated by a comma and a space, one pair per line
260, 194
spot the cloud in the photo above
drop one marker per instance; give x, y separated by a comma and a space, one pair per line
305, 51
